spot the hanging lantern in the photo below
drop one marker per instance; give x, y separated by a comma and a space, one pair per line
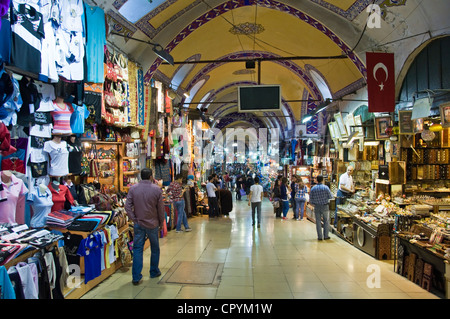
436, 128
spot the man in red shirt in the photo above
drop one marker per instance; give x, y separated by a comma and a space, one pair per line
145, 207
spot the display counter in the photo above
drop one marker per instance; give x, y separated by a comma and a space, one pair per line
423, 265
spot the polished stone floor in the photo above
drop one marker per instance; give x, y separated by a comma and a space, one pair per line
280, 260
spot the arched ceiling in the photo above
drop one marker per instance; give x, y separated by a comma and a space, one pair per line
291, 38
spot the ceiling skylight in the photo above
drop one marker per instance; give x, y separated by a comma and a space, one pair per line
134, 10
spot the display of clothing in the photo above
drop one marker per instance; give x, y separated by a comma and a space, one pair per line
27, 32
75, 157
61, 118
6, 286
95, 42
14, 194
58, 157
60, 196
41, 202
77, 118
91, 249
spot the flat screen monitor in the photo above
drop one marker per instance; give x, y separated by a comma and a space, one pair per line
264, 98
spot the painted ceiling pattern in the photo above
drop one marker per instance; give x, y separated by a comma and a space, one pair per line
165, 14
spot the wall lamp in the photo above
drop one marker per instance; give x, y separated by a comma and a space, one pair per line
322, 107
157, 48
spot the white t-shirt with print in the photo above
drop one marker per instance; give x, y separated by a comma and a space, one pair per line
59, 158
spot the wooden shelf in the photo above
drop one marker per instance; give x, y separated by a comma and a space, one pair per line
130, 172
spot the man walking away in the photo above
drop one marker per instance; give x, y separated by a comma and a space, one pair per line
145, 207
319, 197
254, 199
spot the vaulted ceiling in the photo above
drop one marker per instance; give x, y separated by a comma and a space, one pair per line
296, 41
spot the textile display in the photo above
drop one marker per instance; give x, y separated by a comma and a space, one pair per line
140, 98
132, 89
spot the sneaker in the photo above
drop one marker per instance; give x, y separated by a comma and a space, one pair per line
179, 231
188, 229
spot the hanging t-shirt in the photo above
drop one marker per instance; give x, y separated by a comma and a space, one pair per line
77, 118
47, 95
91, 249
95, 42
27, 33
59, 158
44, 130
75, 157
41, 203
61, 118
8, 207
6, 287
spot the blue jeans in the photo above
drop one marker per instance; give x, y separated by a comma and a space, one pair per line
140, 235
299, 205
256, 207
179, 206
285, 206
293, 203
322, 213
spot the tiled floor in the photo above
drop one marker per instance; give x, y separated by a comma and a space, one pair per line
280, 260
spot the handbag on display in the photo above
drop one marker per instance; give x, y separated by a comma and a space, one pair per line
101, 201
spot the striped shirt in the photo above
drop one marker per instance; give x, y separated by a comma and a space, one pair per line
61, 118
320, 195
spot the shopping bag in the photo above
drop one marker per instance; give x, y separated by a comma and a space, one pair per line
242, 192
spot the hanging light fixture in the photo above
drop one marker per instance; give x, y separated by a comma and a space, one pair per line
436, 127
157, 48
163, 54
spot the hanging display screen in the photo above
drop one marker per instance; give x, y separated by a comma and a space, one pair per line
259, 98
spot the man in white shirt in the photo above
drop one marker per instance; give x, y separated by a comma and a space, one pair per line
254, 199
212, 199
346, 189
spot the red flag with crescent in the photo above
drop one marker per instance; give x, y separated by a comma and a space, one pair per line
381, 81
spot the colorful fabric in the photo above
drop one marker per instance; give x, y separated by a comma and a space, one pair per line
61, 119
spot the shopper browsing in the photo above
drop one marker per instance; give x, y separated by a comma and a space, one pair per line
293, 191
319, 197
176, 191
254, 199
301, 194
284, 188
145, 207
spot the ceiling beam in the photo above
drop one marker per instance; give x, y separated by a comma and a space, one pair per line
333, 57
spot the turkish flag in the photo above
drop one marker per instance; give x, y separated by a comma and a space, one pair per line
381, 81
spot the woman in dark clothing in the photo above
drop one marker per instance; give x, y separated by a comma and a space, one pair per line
284, 189
276, 196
